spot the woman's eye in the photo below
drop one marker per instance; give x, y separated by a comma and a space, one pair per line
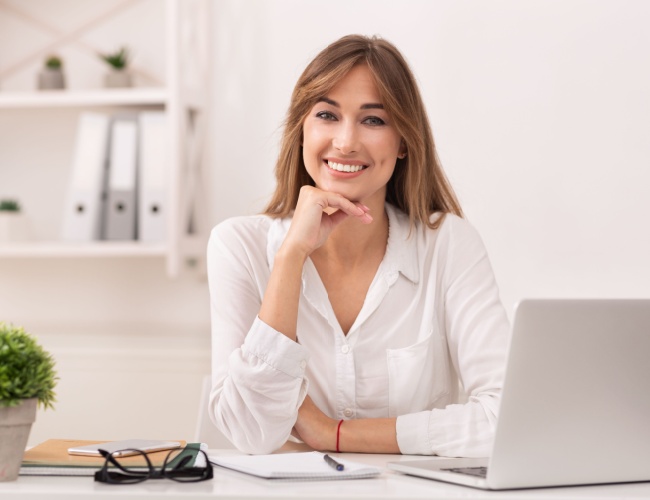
374, 121
325, 115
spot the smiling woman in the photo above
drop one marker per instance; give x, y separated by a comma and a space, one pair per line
420, 188
350, 146
347, 313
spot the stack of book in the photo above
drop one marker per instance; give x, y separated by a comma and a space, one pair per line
51, 458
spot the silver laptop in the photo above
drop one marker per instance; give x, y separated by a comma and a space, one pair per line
575, 407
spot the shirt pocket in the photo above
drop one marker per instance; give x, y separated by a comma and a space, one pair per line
418, 375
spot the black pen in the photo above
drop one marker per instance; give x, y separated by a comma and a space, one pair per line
333, 463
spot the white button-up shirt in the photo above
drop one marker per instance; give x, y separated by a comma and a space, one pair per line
432, 318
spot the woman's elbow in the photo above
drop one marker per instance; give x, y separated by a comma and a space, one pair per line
253, 441
248, 434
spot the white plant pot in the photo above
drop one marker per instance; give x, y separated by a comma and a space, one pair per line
15, 425
13, 227
49, 79
117, 78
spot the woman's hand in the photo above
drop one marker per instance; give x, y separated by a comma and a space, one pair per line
315, 428
317, 213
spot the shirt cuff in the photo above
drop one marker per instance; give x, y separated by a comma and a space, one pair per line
276, 349
413, 433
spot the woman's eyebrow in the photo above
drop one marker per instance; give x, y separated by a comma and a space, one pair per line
371, 105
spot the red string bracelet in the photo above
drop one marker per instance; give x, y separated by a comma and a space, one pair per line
338, 436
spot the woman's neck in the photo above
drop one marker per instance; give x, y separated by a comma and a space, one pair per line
353, 242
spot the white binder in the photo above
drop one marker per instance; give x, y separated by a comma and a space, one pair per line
83, 206
154, 172
120, 212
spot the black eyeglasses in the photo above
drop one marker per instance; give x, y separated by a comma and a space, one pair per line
174, 467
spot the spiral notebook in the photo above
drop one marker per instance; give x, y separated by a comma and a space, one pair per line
294, 466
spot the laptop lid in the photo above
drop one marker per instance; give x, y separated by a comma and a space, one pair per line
575, 407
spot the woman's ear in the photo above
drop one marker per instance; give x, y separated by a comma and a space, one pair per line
402, 150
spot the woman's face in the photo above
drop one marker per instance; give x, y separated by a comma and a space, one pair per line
350, 146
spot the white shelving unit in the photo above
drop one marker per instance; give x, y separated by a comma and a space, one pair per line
182, 95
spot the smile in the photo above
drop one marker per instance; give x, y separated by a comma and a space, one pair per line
340, 167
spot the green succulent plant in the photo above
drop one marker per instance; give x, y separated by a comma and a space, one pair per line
53, 62
9, 206
118, 59
26, 369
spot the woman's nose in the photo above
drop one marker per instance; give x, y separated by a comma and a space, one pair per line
346, 139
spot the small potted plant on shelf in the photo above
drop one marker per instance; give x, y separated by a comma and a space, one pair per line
51, 76
27, 379
118, 62
12, 222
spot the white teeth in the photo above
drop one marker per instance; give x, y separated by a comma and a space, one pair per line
344, 168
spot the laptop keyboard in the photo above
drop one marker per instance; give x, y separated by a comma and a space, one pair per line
471, 471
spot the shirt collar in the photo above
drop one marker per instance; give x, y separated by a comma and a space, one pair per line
401, 249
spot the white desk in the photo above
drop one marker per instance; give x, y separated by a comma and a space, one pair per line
230, 485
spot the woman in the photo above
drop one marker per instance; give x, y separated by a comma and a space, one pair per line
348, 313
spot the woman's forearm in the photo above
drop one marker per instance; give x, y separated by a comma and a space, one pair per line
279, 307
368, 435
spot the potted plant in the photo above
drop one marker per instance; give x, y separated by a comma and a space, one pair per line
118, 61
12, 222
27, 378
51, 76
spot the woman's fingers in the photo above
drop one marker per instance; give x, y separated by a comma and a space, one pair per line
329, 201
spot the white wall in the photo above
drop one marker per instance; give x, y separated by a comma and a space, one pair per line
131, 345
540, 112
539, 109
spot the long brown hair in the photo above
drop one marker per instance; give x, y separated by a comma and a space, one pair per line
418, 186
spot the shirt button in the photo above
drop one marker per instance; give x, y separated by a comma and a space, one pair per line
347, 412
345, 349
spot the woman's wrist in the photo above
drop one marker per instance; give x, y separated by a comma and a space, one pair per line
373, 435
291, 255
338, 436
327, 434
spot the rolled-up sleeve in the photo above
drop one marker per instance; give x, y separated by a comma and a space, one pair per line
258, 380
256, 405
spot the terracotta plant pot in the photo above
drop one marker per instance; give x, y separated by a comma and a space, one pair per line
15, 425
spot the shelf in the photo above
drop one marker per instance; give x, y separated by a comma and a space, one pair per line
76, 98
95, 249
